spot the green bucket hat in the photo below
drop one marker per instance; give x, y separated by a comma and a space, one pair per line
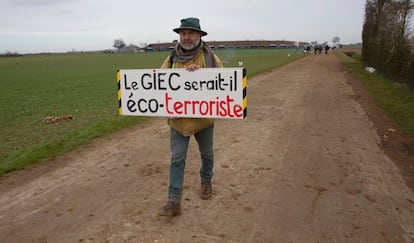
190, 23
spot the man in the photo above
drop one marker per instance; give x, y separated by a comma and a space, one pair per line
326, 49
190, 53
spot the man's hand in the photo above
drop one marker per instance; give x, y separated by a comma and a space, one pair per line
192, 67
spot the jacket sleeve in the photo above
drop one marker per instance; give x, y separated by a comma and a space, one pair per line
166, 63
219, 62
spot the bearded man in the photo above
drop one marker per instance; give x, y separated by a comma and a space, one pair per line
191, 53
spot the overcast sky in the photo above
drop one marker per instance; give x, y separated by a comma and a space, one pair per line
30, 26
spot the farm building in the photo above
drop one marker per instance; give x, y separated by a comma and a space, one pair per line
237, 44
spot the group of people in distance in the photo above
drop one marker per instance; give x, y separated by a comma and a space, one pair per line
317, 49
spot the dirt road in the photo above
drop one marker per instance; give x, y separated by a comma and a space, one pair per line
306, 166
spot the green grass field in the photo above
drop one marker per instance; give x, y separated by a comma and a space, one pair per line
393, 98
84, 86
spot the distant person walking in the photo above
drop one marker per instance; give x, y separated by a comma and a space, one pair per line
308, 49
326, 49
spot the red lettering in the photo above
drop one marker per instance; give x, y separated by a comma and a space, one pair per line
223, 111
186, 104
229, 100
217, 107
238, 111
195, 102
177, 108
166, 103
212, 103
201, 108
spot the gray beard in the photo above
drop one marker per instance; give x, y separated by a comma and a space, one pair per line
189, 48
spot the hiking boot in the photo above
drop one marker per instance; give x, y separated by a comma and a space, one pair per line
206, 189
171, 209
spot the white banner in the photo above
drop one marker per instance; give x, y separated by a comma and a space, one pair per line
204, 93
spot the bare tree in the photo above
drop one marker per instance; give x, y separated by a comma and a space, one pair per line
119, 44
336, 40
386, 41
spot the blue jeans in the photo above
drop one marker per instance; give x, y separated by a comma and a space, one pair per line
179, 147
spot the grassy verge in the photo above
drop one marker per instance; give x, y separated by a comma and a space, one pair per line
84, 86
57, 145
393, 97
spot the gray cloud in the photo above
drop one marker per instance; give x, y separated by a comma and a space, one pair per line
39, 3
86, 23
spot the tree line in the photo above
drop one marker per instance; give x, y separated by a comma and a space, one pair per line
388, 41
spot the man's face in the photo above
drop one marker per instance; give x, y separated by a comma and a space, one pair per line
189, 39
